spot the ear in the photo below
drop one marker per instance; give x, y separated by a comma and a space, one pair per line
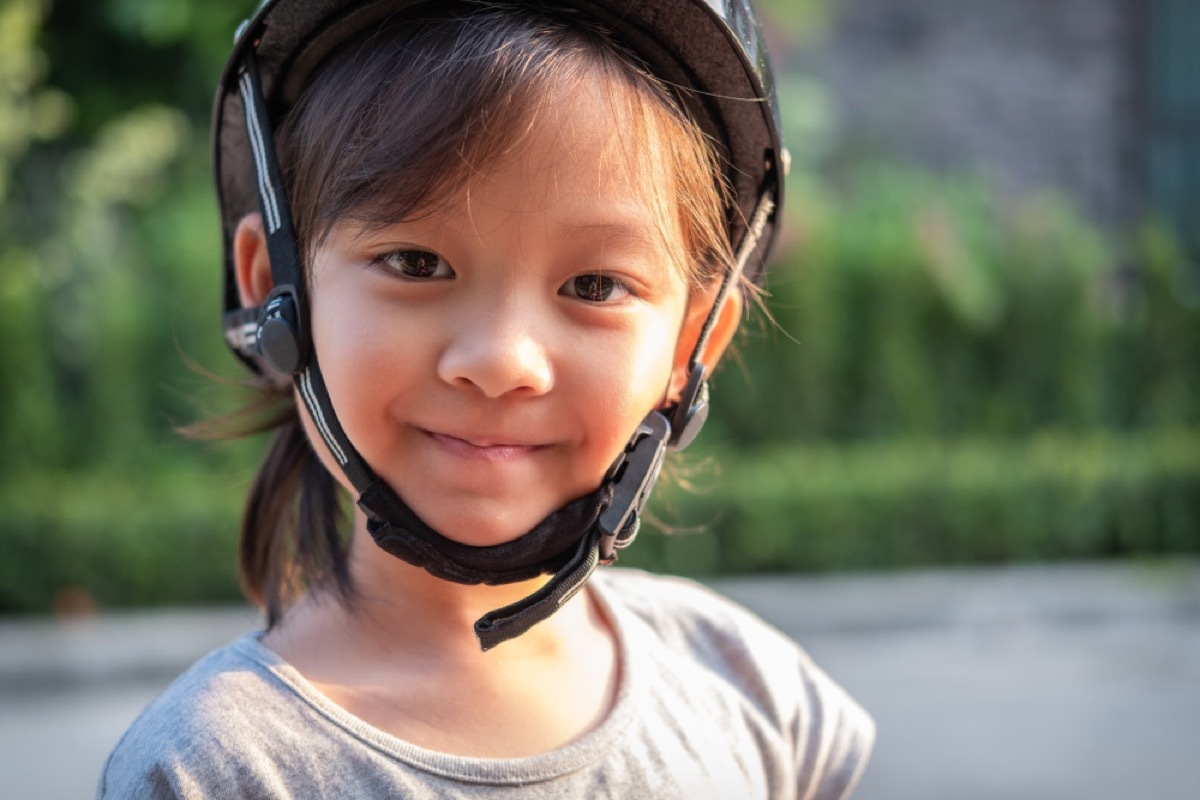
729, 317
251, 262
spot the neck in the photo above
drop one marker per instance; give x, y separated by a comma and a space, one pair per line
398, 607
402, 655
398, 599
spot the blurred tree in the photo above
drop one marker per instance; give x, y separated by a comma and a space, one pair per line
107, 220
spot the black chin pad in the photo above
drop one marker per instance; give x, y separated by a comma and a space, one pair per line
543, 550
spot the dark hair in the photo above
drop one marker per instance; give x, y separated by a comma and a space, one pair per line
391, 125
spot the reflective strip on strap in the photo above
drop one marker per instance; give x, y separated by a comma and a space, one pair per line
254, 129
304, 381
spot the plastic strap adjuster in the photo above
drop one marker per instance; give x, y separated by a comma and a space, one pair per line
633, 479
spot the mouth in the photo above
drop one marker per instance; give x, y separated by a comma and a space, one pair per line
483, 448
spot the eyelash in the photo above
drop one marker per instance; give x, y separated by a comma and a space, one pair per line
606, 281
428, 264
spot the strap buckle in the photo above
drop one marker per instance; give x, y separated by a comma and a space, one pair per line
632, 480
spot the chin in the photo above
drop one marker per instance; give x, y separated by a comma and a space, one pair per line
480, 528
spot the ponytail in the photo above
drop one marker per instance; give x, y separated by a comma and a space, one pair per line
290, 537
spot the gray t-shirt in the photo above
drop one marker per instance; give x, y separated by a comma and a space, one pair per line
713, 703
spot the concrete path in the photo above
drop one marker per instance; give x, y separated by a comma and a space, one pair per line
1065, 682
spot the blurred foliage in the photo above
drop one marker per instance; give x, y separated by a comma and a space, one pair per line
119, 537
951, 376
108, 227
912, 305
906, 502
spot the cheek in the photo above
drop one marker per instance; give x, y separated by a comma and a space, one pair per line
646, 373
633, 378
356, 351
344, 327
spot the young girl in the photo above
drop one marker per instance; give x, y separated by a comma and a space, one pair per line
489, 250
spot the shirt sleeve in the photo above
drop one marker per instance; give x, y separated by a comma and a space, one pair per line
833, 735
814, 736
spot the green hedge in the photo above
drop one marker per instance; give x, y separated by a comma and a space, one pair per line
169, 538
118, 539
915, 503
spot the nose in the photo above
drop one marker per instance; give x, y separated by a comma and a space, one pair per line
499, 351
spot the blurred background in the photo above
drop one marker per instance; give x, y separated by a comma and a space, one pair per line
982, 361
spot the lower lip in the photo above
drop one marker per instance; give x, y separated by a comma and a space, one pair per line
497, 454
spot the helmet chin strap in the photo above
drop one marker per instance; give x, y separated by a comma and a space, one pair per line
570, 542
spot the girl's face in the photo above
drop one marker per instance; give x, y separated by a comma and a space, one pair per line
492, 357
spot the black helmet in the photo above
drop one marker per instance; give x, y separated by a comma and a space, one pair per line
712, 51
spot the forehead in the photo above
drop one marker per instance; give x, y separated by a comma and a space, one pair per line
589, 158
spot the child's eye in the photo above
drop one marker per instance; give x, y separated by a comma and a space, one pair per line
419, 264
596, 288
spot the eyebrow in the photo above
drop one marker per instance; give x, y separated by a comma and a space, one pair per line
636, 235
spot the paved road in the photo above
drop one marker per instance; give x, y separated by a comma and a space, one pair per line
1067, 682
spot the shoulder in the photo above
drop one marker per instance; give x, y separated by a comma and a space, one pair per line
826, 732
193, 737
689, 617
